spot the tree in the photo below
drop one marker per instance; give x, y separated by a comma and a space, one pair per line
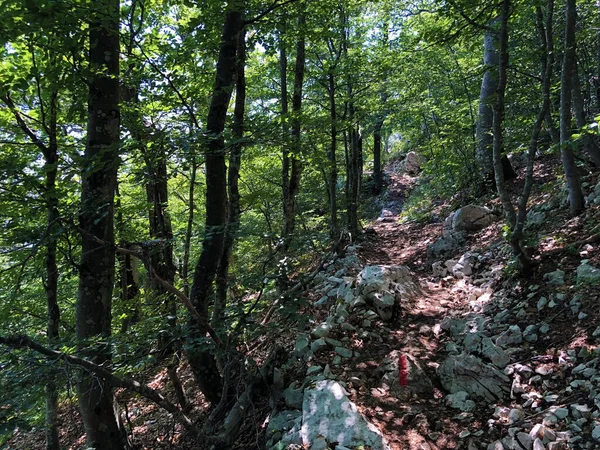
203, 362
96, 269
576, 200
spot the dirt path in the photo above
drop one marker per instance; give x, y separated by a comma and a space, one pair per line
410, 422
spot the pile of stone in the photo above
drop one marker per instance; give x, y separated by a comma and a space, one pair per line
318, 411
545, 401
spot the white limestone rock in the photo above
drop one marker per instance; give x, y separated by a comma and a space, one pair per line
328, 414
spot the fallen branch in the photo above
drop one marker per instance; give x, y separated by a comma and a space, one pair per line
22, 341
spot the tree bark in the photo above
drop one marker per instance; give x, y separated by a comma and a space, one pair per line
499, 109
51, 285
203, 362
487, 94
96, 277
333, 172
233, 177
290, 203
377, 172
576, 201
589, 143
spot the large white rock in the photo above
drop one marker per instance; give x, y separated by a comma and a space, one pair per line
328, 414
471, 218
386, 285
412, 163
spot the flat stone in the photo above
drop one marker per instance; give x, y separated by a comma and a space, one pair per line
512, 336
343, 352
470, 374
460, 400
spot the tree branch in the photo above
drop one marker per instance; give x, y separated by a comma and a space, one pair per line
22, 341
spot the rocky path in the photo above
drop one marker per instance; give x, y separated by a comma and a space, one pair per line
458, 357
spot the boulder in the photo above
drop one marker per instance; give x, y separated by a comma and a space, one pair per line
481, 345
402, 375
413, 163
470, 374
587, 274
328, 414
386, 285
446, 245
472, 218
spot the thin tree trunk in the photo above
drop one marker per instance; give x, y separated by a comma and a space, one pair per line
189, 227
589, 144
96, 278
576, 201
499, 108
377, 172
51, 285
487, 94
202, 362
551, 61
517, 234
289, 219
285, 154
332, 175
233, 176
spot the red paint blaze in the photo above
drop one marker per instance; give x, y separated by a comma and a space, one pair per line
403, 371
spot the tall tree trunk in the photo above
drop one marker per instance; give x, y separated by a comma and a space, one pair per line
233, 177
589, 143
202, 362
576, 201
551, 61
499, 109
285, 153
51, 285
546, 72
96, 278
185, 265
332, 173
487, 95
289, 218
377, 172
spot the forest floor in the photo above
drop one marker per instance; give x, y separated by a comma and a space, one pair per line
419, 423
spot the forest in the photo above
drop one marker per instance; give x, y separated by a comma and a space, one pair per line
214, 214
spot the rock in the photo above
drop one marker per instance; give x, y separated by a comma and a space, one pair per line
438, 269
318, 345
535, 218
313, 370
302, 345
470, 374
403, 376
512, 336
445, 245
524, 441
596, 433
460, 400
529, 334
587, 274
481, 345
384, 286
287, 422
412, 163
556, 278
472, 218
327, 414
293, 396
448, 221
323, 329
344, 352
